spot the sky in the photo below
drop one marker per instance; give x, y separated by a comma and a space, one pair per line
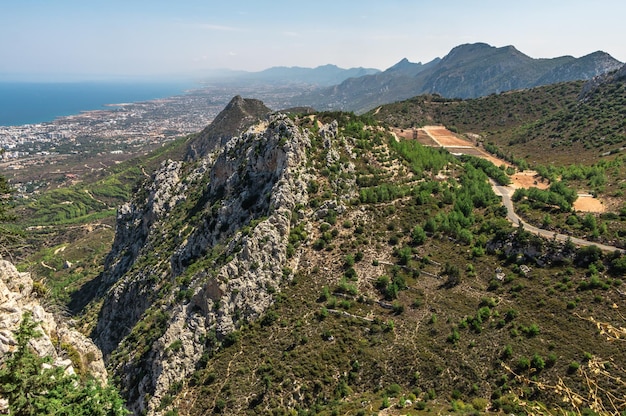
90, 40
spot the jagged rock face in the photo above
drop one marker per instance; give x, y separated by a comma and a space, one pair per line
585, 68
16, 298
198, 254
236, 117
596, 82
134, 224
468, 71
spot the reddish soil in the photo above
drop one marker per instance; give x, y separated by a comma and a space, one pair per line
527, 179
415, 134
445, 137
439, 135
458, 145
587, 203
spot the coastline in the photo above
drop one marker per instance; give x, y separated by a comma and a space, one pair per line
25, 103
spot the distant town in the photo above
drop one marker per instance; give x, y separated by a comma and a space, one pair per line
36, 156
116, 129
124, 126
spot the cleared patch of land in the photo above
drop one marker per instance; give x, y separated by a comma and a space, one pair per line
525, 179
587, 203
457, 145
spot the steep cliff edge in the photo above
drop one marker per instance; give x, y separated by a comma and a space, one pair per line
66, 347
198, 253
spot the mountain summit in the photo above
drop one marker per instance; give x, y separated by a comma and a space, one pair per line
238, 115
467, 71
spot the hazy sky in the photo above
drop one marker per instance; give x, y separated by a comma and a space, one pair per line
82, 39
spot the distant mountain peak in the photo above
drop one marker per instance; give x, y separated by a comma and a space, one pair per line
403, 63
328, 66
238, 115
476, 45
477, 51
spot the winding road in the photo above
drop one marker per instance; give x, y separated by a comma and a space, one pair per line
505, 192
445, 138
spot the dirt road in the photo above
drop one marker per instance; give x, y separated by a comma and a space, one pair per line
526, 179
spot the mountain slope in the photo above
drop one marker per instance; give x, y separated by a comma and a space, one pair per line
238, 115
583, 68
564, 123
361, 92
314, 264
183, 270
468, 71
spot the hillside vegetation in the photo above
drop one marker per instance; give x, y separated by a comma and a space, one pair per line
570, 132
541, 125
65, 232
413, 295
317, 265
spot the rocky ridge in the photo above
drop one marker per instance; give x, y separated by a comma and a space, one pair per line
609, 77
238, 115
67, 347
198, 253
468, 71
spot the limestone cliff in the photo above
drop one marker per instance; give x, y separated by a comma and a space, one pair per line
67, 347
199, 252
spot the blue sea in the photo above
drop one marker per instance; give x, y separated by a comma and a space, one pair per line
29, 103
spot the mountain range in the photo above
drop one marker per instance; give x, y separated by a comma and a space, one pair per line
467, 71
321, 76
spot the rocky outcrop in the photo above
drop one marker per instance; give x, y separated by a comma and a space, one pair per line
200, 252
238, 115
596, 82
58, 340
583, 68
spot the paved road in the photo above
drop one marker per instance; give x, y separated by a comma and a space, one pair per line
505, 192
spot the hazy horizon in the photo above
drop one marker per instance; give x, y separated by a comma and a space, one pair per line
71, 40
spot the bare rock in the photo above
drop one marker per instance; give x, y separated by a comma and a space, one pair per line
57, 337
232, 211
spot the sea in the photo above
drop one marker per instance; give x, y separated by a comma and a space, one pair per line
37, 102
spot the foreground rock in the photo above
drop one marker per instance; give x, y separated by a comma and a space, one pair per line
67, 347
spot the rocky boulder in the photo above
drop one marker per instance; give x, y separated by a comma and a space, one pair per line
67, 347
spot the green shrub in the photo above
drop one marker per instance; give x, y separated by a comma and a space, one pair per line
176, 345
537, 362
397, 308
394, 390
523, 364
507, 352
573, 367
31, 386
